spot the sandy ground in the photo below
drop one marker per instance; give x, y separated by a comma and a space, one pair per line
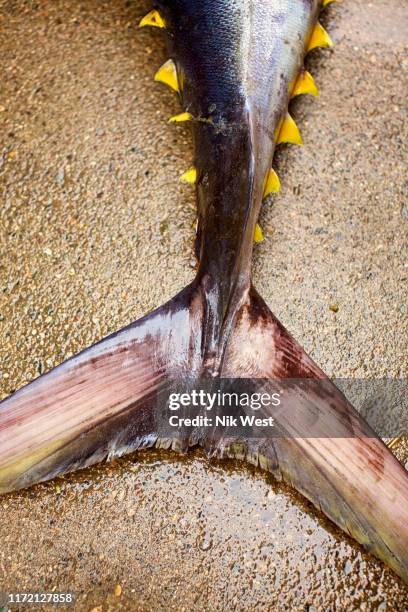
96, 230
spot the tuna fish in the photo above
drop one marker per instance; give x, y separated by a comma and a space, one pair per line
236, 65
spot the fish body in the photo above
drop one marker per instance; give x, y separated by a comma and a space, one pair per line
236, 66
237, 63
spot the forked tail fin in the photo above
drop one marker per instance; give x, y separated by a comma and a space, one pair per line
103, 403
323, 447
98, 404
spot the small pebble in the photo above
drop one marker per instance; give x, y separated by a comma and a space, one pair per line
206, 544
262, 568
334, 307
60, 178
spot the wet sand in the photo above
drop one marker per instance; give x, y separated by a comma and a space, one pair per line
95, 231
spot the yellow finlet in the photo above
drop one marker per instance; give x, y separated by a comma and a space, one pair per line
326, 2
258, 234
152, 19
305, 84
181, 117
167, 74
289, 132
189, 176
272, 183
319, 38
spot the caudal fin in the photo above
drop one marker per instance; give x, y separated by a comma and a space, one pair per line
104, 403
323, 447
100, 403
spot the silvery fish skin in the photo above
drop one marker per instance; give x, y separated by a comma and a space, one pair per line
237, 61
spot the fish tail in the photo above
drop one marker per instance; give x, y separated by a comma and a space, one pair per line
97, 405
109, 400
321, 445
